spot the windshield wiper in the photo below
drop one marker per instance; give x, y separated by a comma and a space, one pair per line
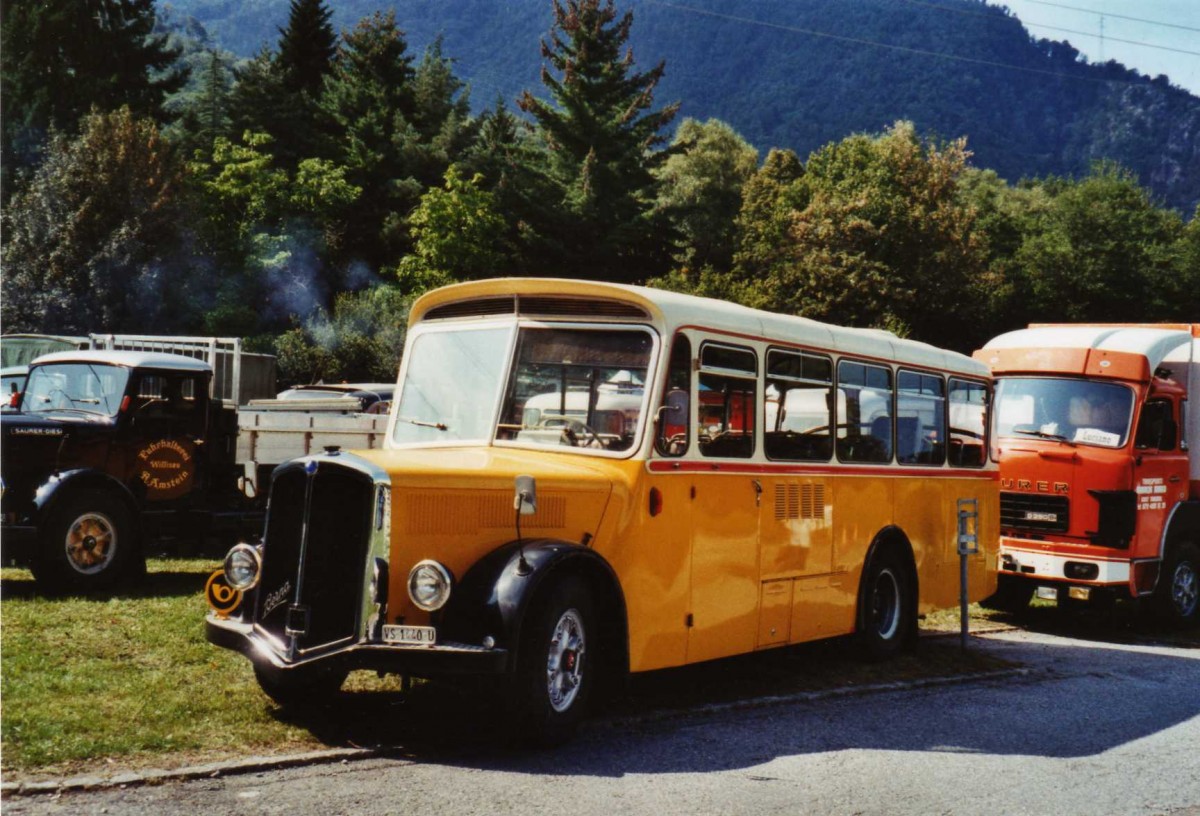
441, 426
83, 411
1044, 435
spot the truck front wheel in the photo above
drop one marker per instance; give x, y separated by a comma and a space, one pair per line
88, 544
1178, 592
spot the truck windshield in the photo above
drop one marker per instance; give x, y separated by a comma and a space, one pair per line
1081, 412
87, 388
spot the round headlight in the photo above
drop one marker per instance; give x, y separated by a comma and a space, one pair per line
243, 566
429, 585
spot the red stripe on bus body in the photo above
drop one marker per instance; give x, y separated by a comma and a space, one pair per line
736, 468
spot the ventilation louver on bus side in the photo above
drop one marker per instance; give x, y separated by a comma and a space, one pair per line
799, 501
539, 307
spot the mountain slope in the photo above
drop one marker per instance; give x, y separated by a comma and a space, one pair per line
800, 73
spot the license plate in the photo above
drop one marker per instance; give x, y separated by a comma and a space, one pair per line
412, 635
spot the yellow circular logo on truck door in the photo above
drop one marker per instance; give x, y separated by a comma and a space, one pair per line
166, 467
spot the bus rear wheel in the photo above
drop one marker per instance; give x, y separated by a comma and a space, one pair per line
885, 611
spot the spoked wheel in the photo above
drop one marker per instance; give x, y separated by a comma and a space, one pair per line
885, 607
89, 543
1178, 592
556, 670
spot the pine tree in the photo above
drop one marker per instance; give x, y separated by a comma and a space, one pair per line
369, 101
306, 46
600, 132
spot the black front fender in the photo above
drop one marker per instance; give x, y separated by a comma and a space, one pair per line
495, 595
53, 490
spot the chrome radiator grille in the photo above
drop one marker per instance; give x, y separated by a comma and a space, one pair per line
339, 512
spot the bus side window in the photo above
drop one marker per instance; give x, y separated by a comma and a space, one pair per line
796, 421
673, 425
920, 419
728, 401
864, 412
968, 418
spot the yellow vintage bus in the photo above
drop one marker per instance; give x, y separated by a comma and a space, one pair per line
583, 480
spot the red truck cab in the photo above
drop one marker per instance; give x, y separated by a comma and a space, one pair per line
1100, 495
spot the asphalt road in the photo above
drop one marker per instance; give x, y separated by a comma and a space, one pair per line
1091, 728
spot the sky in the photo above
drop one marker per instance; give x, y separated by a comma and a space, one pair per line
1159, 25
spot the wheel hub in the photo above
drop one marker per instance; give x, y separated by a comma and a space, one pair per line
91, 543
565, 661
1184, 588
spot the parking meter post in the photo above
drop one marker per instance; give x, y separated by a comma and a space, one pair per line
968, 544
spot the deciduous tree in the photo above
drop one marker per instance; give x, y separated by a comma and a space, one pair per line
89, 241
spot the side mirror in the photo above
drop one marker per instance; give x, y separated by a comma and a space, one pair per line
525, 497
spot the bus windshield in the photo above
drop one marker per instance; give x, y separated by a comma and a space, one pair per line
1078, 412
582, 388
451, 385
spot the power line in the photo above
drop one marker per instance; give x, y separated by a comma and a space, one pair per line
1107, 14
1055, 28
876, 44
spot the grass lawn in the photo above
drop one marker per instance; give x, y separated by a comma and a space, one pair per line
100, 685
90, 683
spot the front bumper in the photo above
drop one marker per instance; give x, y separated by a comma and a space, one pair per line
415, 661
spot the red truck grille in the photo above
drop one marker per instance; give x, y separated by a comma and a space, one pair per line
1034, 513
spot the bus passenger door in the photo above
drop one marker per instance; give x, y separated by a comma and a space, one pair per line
726, 504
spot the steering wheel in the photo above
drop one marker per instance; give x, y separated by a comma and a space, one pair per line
570, 430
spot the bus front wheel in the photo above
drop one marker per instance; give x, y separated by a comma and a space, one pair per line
885, 606
556, 665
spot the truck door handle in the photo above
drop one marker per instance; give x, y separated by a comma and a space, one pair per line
757, 492
1173, 478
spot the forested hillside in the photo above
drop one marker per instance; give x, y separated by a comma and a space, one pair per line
803, 73
303, 197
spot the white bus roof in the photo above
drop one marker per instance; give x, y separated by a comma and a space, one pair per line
127, 359
672, 311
